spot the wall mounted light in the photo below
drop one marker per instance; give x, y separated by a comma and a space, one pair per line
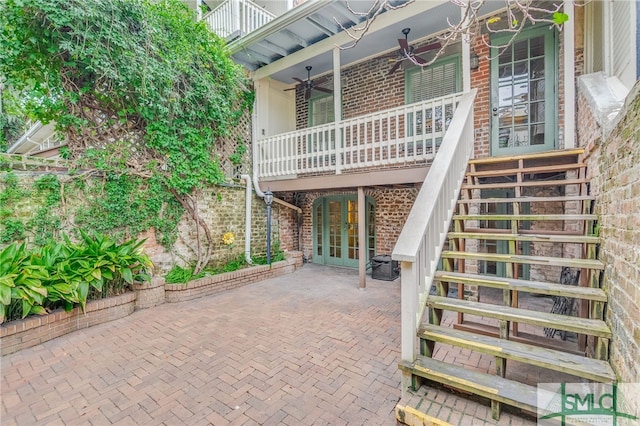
474, 60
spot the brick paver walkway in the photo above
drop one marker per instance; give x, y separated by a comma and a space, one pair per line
304, 349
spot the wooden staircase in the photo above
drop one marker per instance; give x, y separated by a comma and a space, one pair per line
508, 289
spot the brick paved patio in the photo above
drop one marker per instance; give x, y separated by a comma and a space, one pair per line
306, 348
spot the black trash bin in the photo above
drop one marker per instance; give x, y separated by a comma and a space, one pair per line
383, 268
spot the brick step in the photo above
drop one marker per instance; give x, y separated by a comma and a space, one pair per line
536, 287
591, 327
520, 259
580, 366
526, 170
563, 198
522, 217
479, 234
495, 388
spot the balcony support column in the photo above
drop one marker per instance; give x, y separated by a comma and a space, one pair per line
362, 239
466, 58
337, 107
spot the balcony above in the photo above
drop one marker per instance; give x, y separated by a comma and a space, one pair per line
234, 18
392, 146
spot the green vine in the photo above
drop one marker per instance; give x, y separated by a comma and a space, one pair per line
140, 89
122, 206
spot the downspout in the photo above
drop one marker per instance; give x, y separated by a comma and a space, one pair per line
247, 219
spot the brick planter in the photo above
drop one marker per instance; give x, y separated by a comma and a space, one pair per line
31, 331
218, 283
149, 294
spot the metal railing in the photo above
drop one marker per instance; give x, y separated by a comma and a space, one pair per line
408, 134
420, 243
237, 16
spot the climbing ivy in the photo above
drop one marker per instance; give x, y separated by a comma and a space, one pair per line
118, 205
140, 80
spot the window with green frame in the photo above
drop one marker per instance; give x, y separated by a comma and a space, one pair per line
439, 79
321, 110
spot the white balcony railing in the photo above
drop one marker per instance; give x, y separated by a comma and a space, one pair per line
237, 16
408, 134
420, 243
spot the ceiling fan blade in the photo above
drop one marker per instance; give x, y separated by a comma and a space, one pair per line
419, 60
291, 88
403, 44
322, 89
298, 80
426, 48
394, 67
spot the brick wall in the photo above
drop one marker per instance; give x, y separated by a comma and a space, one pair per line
615, 167
221, 207
33, 330
214, 284
392, 206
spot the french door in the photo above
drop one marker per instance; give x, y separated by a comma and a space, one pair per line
335, 230
523, 93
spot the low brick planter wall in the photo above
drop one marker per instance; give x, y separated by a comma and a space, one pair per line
218, 283
31, 331
149, 294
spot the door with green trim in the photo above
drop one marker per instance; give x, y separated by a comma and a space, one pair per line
523, 93
335, 230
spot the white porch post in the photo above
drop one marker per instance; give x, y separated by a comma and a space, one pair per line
362, 239
199, 9
235, 7
466, 60
568, 32
337, 107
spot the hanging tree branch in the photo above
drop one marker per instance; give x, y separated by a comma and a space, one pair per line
512, 19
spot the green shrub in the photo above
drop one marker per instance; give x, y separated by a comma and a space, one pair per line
67, 274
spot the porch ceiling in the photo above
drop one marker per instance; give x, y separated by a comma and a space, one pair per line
307, 34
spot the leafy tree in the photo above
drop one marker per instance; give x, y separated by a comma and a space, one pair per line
137, 86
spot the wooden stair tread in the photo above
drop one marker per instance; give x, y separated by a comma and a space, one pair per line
538, 287
578, 325
520, 258
546, 154
525, 217
529, 199
559, 182
522, 231
526, 170
538, 238
486, 385
576, 365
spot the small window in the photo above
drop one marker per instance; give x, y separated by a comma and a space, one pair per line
321, 110
439, 79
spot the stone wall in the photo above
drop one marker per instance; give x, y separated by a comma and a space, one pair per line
615, 167
221, 207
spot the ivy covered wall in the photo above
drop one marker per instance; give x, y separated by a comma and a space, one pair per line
37, 206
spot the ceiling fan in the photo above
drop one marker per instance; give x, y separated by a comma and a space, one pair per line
410, 52
309, 85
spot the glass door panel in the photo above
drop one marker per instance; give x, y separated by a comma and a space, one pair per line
523, 100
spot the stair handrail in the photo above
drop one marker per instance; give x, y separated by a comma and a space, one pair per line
420, 243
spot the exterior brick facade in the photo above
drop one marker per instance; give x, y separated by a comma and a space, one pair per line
615, 166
